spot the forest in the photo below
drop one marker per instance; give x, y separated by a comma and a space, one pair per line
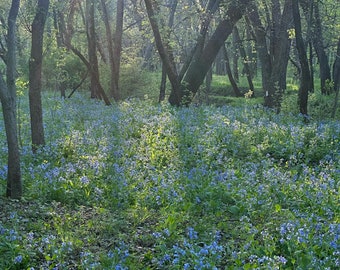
175, 134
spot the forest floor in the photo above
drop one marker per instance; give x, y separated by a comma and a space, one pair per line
140, 185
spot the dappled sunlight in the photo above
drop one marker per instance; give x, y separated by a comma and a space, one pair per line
149, 185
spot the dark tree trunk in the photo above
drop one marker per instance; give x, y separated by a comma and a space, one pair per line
230, 74
273, 66
97, 90
202, 63
245, 61
162, 86
219, 63
117, 50
265, 58
9, 108
35, 69
173, 7
168, 62
113, 82
235, 57
325, 71
92, 49
305, 73
336, 78
61, 85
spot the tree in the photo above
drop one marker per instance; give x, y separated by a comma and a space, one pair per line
273, 53
186, 84
173, 6
35, 70
9, 107
336, 78
117, 50
245, 59
114, 51
305, 74
315, 39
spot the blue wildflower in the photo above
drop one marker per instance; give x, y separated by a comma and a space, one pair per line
18, 259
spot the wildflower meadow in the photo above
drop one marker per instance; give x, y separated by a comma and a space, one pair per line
140, 185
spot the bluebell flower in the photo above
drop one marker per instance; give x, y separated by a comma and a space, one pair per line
186, 266
110, 254
84, 180
18, 259
192, 233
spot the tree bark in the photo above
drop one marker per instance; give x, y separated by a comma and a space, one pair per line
325, 71
245, 61
202, 63
170, 25
305, 74
97, 90
9, 107
235, 57
336, 78
113, 82
35, 69
168, 63
273, 66
117, 50
230, 74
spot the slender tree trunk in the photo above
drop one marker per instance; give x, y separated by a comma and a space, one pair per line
9, 107
201, 64
235, 57
162, 87
336, 78
61, 85
245, 61
273, 66
230, 74
113, 82
35, 69
118, 44
173, 7
325, 71
168, 63
92, 49
265, 58
97, 90
305, 73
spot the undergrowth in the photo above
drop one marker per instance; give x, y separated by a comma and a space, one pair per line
144, 186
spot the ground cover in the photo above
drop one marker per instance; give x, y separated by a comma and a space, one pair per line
145, 186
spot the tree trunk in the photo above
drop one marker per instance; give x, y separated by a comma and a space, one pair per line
113, 82
235, 57
162, 87
35, 68
97, 90
170, 25
230, 74
168, 62
202, 63
265, 58
61, 85
305, 74
336, 78
9, 107
325, 71
92, 49
245, 61
118, 44
273, 66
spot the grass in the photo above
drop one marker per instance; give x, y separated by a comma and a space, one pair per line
140, 185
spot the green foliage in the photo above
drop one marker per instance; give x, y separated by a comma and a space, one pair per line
148, 186
62, 67
319, 106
